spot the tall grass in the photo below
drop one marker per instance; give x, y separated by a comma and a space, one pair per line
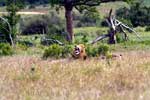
31, 78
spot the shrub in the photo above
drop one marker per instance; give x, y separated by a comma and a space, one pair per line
5, 49
67, 50
21, 46
42, 24
53, 51
57, 51
147, 28
26, 43
103, 49
91, 51
94, 51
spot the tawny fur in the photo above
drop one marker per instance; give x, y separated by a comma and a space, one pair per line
82, 52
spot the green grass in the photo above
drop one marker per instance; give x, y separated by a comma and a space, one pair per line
91, 32
134, 42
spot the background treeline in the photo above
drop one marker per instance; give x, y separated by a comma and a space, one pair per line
35, 2
137, 14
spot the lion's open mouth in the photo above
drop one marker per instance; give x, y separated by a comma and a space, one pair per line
77, 51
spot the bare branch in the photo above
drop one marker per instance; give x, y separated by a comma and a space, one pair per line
125, 34
99, 38
130, 29
9, 29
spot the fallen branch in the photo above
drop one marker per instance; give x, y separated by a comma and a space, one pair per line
99, 38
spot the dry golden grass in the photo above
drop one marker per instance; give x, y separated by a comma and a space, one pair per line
31, 78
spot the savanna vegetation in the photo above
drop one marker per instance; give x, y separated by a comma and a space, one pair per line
35, 51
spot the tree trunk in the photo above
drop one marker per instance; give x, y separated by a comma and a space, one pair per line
112, 39
69, 22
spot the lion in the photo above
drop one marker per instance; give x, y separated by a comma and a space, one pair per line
79, 52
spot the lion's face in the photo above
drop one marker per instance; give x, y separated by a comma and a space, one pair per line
77, 50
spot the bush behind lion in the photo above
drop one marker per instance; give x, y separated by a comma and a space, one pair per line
97, 50
57, 51
5, 49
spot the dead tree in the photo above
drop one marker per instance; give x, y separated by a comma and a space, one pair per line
115, 26
9, 30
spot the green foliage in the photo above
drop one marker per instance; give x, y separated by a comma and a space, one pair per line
9, 23
81, 38
52, 25
57, 51
34, 25
100, 49
67, 50
119, 38
138, 14
88, 18
91, 51
22, 46
13, 6
4, 32
5, 49
103, 49
53, 51
147, 29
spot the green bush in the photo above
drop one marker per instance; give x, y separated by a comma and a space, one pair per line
21, 46
45, 24
94, 51
91, 51
57, 51
5, 49
147, 29
53, 51
103, 49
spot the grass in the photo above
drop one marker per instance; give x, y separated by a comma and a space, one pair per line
127, 78
26, 76
91, 32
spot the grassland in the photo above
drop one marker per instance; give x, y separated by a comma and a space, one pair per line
31, 78
26, 76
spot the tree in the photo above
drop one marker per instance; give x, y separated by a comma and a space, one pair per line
115, 26
78, 4
138, 14
11, 19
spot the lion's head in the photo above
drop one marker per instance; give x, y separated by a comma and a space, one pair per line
79, 51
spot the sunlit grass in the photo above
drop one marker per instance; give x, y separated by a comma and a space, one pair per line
31, 78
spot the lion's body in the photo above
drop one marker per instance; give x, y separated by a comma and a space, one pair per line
79, 52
